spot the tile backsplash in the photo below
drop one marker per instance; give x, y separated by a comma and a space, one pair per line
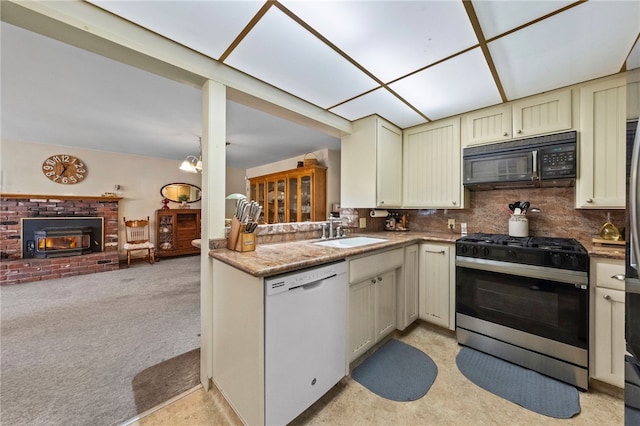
557, 218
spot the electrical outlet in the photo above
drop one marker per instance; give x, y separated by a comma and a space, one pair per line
363, 222
452, 224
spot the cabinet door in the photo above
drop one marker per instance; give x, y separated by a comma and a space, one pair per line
371, 164
435, 284
306, 197
609, 336
165, 231
389, 165
361, 318
546, 113
488, 125
407, 289
431, 166
385, 303
602, 157
293, 199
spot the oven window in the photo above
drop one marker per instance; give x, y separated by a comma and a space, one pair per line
548, 309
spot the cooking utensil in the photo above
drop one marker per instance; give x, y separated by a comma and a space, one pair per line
524, 207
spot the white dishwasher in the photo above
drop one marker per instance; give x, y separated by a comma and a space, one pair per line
305, 338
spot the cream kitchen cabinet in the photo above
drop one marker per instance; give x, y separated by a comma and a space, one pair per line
601, 153
372, 299
608, 346
437, 284
408, 292
535, 115
432, 166
371, 165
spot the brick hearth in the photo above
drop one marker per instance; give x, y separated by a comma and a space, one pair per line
13, 207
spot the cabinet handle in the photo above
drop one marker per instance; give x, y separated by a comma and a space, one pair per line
619, 277
381, 202
606, 297
373, 280
519, 131
379, 279
436, 252
505, 134
454, 202
589, 200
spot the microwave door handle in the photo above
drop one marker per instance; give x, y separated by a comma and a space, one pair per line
534, 168
633, 197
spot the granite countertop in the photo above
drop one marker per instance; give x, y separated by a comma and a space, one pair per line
277, 258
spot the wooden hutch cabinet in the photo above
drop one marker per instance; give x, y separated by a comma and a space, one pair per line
296, 195
175, 229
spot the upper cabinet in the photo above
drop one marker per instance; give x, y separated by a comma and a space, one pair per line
602, 145
371, 165
296, 195
536, 115
431, 166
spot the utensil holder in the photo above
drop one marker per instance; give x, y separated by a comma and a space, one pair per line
238, 239
518, 226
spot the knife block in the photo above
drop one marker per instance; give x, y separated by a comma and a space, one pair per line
238, 239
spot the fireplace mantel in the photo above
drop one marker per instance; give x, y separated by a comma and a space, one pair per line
60, 197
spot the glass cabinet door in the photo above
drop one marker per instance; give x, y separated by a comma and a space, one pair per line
271, 202
259, 197
293, 200
305, 198
280, 201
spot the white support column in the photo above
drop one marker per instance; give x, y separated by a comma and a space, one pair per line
213, 209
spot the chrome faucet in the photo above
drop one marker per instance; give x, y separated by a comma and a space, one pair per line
331, 222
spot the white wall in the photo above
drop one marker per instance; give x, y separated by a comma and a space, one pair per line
326, 157
140, 177
236, 182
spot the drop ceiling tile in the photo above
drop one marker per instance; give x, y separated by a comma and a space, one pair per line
499, 16
390, 38
282, 53
208, 27
461, 84
383, 103
588, 41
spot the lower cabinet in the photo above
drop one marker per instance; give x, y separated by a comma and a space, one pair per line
408, 288
373, 284
608, 347
437, 284
372, 312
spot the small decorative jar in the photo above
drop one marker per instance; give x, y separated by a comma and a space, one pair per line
518, 226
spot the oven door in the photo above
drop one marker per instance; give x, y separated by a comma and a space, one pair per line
545, 302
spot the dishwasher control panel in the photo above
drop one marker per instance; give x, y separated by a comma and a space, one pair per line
293, 280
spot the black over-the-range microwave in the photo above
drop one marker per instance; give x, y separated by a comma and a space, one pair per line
542, 161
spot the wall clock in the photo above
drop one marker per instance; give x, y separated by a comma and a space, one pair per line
64, 169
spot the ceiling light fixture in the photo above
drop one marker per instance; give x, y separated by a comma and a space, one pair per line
193, 164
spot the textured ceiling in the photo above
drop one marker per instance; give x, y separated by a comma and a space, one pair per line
408, 61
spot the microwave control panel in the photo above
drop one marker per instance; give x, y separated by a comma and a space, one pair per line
558, 161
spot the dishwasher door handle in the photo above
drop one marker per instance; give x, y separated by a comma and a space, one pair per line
314, 284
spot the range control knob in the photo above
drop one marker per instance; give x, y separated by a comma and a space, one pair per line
485, 251
464, 249
474, 250
512, 254
556, 259
574, 261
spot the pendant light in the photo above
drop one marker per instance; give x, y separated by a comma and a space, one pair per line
193, 164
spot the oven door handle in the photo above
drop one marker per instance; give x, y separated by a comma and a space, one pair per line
564, 276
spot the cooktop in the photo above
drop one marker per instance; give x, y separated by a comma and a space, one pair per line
565, 253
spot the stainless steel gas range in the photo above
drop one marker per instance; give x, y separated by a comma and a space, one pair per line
525, 300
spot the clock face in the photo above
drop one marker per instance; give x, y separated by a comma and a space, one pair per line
64, 169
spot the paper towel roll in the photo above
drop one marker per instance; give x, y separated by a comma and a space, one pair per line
378, 213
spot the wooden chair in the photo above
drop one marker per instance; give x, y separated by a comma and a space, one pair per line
137, 232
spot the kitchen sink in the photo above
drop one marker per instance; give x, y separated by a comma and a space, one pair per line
350, 242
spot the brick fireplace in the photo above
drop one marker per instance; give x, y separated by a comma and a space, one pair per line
17, 267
